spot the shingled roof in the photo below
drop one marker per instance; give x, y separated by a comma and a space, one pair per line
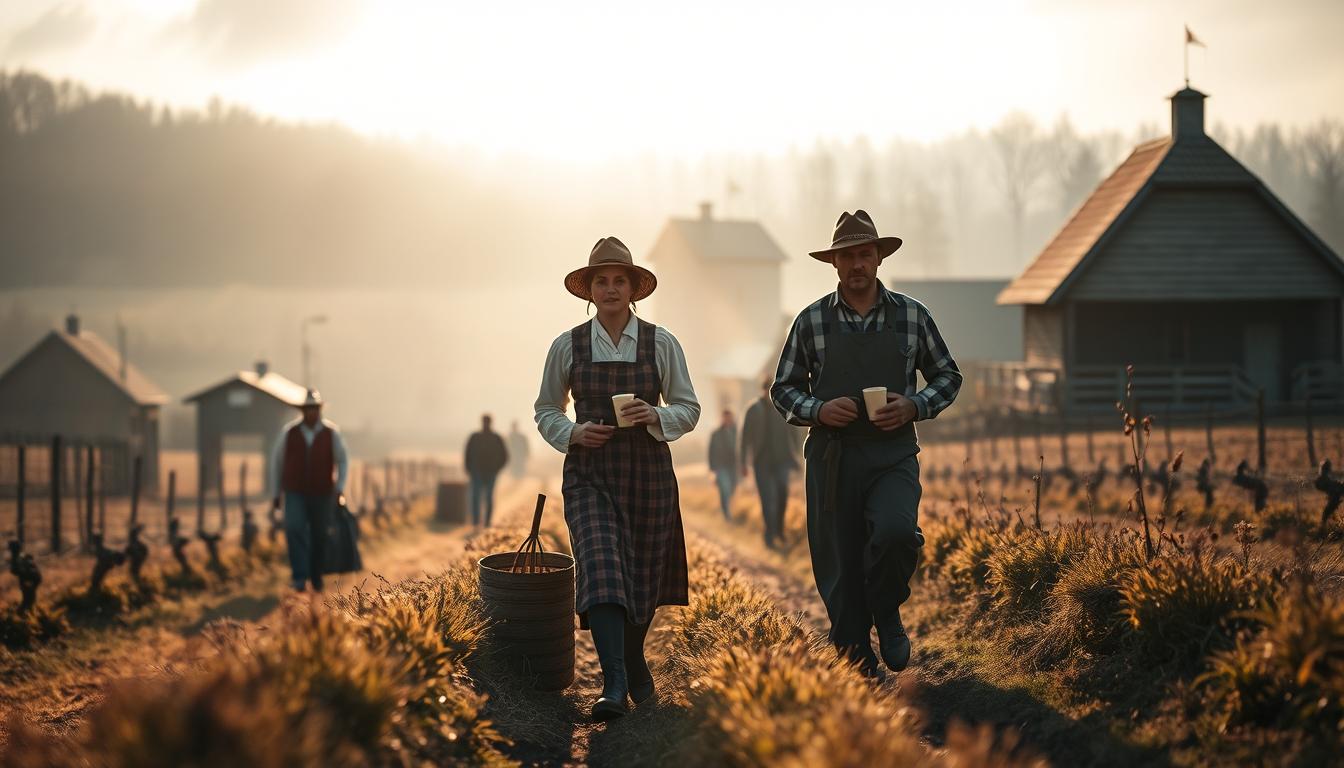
725, 239
267, 382
1189, 158
102, 358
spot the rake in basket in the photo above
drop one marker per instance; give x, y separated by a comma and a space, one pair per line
531, 556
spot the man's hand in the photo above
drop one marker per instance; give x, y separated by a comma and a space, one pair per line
639, 412
839, 412
590, 435
340, 499
899, 411
275, 503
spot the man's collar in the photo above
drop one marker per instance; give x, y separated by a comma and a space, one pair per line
884, 296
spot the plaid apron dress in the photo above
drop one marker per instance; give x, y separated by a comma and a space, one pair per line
621, 502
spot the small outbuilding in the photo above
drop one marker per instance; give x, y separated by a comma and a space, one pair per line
253, 405
75, 385
1183, 263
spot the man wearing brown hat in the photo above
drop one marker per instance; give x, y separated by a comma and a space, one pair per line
863, 486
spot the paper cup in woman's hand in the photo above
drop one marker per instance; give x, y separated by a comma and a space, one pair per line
619, 402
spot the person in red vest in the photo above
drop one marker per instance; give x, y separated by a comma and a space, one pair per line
308, 466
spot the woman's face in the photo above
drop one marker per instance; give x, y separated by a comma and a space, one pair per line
612, 288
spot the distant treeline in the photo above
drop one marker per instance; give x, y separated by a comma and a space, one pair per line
106, 190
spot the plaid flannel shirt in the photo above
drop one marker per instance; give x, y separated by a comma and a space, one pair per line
805, 351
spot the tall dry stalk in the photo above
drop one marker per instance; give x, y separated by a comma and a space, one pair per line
1132, 424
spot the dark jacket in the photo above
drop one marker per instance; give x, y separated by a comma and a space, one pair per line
485, 454
767, 440
723, 448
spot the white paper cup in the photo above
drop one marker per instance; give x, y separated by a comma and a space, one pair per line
874, 398
618, 402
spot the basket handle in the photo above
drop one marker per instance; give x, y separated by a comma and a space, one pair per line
536, 516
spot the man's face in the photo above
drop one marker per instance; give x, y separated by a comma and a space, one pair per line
485, 423
311, 413
727, 418
857, 266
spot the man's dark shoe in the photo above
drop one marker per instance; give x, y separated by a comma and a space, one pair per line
894, 643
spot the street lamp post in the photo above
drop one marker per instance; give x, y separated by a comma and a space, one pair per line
306, 348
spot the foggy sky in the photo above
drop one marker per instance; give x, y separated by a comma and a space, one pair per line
584, 80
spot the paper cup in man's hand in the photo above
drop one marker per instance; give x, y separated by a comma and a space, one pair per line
874, 398
619, 402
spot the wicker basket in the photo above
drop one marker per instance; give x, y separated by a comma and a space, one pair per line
532, 615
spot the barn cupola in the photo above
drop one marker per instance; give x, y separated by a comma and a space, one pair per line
1187, 114
72, 324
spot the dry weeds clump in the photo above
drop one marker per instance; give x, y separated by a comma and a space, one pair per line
376, 680
968, 564
1025, 568
1084, 606
21, 631
1291, 673
1184, 605
765, 691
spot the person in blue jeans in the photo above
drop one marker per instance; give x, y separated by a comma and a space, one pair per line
723, 460
485, 456
308, 468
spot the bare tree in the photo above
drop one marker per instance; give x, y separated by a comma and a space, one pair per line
1020, 150
1074, 165
1323, 144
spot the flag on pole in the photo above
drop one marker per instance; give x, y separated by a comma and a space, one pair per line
1190, 38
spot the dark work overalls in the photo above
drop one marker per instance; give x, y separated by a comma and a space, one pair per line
862, 487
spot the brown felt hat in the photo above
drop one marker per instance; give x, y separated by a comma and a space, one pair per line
607, 253
856, 229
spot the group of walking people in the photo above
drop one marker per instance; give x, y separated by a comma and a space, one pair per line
768, 452
861, 471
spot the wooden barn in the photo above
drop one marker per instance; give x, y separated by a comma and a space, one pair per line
249, 407
75, 385
720, 291
1184, 264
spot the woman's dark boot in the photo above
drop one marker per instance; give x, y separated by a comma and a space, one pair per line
607, 622
636, 668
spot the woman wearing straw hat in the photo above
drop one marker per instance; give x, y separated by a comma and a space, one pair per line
620, 492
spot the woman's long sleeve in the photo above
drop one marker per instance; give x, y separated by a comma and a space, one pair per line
549, 411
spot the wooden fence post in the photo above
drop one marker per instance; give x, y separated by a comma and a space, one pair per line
223, 505
1208, 433
88, 492
1260, 430
1064, 437
135, 492
200, 500
55, 483
76, 472
20, 493
172, 499
1311, 437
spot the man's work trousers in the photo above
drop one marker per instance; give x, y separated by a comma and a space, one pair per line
305, 535
772, 484
865, 551
726, 480
482, 499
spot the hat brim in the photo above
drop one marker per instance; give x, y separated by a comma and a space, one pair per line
885, 247
579, 283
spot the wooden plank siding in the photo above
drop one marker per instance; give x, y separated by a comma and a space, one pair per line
1043, 336
1206, 244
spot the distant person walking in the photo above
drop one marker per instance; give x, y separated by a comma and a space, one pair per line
518, 452
307, 470
621, 502
723, 460
485, 456
768, 448
863, 486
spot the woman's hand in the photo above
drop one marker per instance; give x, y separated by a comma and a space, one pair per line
639, 412
899, 411
590, 435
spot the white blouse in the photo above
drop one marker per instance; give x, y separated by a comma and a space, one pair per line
677, 416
